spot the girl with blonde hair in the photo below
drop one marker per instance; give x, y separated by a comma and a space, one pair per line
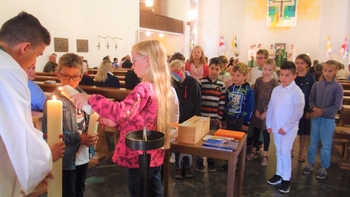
105, 77
148, 105
197, 64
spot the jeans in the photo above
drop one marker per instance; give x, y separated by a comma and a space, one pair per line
73, 181
322, 129
155, 184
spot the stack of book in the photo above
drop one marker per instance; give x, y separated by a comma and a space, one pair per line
221, 143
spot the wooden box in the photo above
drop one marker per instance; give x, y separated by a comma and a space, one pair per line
193, 129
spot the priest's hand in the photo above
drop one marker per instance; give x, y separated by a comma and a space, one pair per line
57, 150
80, 99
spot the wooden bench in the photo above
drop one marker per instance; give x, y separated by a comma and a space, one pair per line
346, 92
342, 135
346, 86
46, 78
116, 72
37, 118
118, 94
344, 115
45, 74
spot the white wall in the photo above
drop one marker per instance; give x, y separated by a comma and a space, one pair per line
82, 19
309, 36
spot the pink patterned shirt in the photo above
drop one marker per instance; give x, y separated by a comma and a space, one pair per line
137, 110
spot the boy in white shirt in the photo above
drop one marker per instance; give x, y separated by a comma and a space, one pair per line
282, 119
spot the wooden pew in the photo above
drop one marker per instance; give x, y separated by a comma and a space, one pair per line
346, 92
346, 85
120, 77
343, 134
45, 78
117, 72
118, 94
45, 74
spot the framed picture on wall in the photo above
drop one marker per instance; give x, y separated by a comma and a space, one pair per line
82, 45
61, 44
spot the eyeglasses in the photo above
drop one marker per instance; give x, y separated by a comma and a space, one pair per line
137, 58
68, 77
260, 58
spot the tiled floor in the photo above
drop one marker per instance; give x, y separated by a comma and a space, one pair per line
109, 180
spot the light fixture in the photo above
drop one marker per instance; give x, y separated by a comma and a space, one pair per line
148, 33
161, 35
149, 3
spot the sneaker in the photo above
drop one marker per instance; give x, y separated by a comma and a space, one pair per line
199, 165
178, 173
308, 169
187, 172
172, 158
275, 180
211, 165
322, 173
224, 167
284, 187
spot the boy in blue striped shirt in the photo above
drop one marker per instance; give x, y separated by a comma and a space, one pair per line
213, 104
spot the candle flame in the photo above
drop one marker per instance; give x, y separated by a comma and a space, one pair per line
53, 97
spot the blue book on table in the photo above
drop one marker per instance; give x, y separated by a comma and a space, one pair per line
221, 144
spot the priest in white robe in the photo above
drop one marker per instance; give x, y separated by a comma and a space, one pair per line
25, 158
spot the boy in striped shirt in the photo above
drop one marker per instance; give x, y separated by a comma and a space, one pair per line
213, 103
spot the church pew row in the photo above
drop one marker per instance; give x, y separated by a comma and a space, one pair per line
52, 78
120, 75
118, 71
118, 94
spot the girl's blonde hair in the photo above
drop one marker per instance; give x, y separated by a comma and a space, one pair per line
202, 60
271, 62
101, 75
334, 63
158, 73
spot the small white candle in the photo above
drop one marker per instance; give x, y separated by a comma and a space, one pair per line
68, 91
54, 130
93, 124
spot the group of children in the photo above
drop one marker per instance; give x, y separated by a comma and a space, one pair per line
285, 110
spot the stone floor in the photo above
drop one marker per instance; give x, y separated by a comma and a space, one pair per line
109, 180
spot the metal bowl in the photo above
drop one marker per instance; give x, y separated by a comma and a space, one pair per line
134, 140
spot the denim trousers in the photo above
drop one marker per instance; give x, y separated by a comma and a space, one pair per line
322, 129
155, 184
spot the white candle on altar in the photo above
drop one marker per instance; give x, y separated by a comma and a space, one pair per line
54, 130
68, 91
93, 124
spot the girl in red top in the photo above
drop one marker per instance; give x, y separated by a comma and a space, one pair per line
197, 64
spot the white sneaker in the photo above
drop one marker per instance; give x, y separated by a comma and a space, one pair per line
172, 158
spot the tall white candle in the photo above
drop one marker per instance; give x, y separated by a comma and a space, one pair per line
68, 91
93, 124
54, 130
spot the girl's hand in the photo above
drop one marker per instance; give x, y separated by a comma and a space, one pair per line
263, 116
104, 122
57, 150
257, 114
269, 130
80, 100
308, 115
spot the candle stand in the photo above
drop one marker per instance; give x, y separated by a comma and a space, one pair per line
135, 140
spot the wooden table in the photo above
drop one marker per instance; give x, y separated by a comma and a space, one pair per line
232, 157
344, 134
